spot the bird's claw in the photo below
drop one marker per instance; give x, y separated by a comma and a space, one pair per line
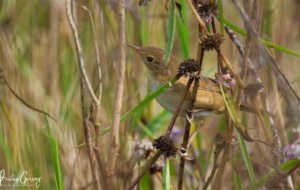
190, 120
185, 156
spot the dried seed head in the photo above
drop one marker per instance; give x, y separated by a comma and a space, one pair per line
227, 79
187, 67
207, 10
166, 145
292, 151
142, 149
211, 41
253, 89
221, 142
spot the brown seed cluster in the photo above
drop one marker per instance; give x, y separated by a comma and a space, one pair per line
221, 142
166, 145
187, 67
253, 89
211, 41
206, 9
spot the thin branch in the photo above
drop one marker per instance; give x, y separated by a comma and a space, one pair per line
80, 53
200, 21
97, 53
83, 83
175, 115
147, 167
23, 101
95, 110
119, 93
186, 137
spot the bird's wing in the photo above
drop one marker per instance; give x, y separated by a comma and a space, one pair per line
209, 96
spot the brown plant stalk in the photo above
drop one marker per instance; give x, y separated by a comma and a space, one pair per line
114, 136
84, 85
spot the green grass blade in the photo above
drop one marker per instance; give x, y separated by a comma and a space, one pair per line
147, 100
220, 15
183, 30
240, 131
171, 29
146, 130
285, 167
12, 133
6, 151
55, 157
159, 120
265, 42
166, 176
246, 158
230, 105
237, 181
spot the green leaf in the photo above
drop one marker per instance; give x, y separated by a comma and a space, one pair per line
237, 181
241, 132
285, 167
229, 102
246, 158
147, 100
220, 15
183, 31
265, 42
146, 130
158, 121
54, 151
171, 29
166, 175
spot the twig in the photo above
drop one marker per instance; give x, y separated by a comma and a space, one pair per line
97, 54
119, 93
200, 21
241, 50
80, 53
23, 101
186, 137
190, 115
175, 115
95, 110
217, 151
147, 167
221, 168
83, 83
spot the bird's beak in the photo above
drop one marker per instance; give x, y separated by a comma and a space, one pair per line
136, 48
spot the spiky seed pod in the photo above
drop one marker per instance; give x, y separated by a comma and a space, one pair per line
166, 145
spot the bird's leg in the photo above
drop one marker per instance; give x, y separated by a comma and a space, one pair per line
190, 119
183, 151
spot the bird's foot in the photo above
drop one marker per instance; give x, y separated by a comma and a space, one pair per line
183, 154
189, 119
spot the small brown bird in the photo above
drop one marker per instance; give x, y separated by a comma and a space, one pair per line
209, 98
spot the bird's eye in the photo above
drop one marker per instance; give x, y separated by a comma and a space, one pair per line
149, 59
